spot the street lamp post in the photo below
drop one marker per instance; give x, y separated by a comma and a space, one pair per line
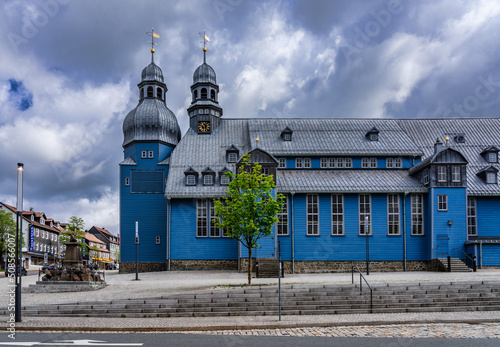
136, 250
367, 234
19, 241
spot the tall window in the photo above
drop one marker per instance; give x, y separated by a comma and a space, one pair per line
364, 213
203, 93
426, 176
283, 219
214, 231
312, 214
150, 92
442, 202
455, 174
441, 173
201, 218
393, 214
337, 214
471, 216
417, 214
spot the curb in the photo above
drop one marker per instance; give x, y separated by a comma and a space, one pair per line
253, 326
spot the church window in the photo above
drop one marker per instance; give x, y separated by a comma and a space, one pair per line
392, 163
393, 214
312, 215
348, 162
471, 216
282, 163
150, 154
443, 202
337, 214
491, 178
195, 95
144, 154
150, 92
287, 137
265, 171
339, 162
492, 157
127, 181
159, 93
331, 162
232, 157
324, 163
147, 181
190, 180
299, 162
205, 219
307, 162
208, 180
426, 176
364, 162
455, 173
441, 173
203, 93
158, 239
364, 214
224, 180
212, 94
283, 219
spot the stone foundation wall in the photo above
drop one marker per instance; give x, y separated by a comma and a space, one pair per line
129, 267
346, 266
244, 265
183, 265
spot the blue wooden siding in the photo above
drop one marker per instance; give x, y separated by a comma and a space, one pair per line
490, 254
488, 216
185, 244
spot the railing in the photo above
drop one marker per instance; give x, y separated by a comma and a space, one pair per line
470, 261
361, 278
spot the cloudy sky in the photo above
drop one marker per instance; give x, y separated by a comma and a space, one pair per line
69, 72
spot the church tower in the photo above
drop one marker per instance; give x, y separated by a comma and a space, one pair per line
205, 111
151, 132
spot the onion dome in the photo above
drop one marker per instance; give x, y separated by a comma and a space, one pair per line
151, 120
152, 72
204, 73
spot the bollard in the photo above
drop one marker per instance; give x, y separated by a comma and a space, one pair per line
474, 264
449, 264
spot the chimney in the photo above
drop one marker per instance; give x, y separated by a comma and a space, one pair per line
438, 146
31, 209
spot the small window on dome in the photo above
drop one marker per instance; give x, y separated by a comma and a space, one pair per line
150, 92
203, 93
159, 93
195, 95
212, 94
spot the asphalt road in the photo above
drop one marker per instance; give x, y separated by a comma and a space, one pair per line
187, 340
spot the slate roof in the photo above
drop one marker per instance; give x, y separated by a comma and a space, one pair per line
334, 137
128, 161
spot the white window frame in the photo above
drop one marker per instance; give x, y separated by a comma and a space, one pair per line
299, 163
471, 216
339, 163
151, 154
337, 215
492, 157
417, 214
287, 137
364, 163
441, 173
37, 232
442, 202
224, 180
373, 163
158, 239
282, 163
323, 163
190, 180
144, 154
393, 215
455, 174
365, 210
127, 181
389, 163
491, 178
214, 231
426, 176
208, 180
232, 157
312, 214
307, 162
201, 218
282, 226
331, 162
348, 163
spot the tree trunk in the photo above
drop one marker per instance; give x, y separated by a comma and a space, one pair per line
249, 266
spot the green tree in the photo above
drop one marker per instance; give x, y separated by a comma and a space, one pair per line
75, 226
249, 210
7, 230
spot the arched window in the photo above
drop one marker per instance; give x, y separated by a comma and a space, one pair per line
203, 93
159, 93
195, 95
142, 93
150, 92
212, 94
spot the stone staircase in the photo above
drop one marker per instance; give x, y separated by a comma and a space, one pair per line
457, 265
296, 300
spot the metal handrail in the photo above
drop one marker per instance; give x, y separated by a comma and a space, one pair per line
361, 285
456, 250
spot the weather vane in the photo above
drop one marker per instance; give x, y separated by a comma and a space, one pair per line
152, 42
205, 42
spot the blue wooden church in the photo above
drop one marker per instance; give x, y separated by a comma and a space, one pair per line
412, 190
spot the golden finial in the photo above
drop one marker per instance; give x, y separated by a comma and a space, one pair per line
447, 139
257, 139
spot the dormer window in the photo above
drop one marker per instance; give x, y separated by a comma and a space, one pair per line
191, 177
492, 157
372, 135
286, 134
42, 220
208, 176
489, 175
460, 138
232, 153
491, 178
490, 154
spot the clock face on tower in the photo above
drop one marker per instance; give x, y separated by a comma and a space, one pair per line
204, 126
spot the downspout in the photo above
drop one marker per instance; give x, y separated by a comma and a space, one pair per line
169, 211
292, 235
404, 231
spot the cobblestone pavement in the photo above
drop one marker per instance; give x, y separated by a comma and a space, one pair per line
480, 331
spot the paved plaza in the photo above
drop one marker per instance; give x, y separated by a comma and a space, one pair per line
476, 324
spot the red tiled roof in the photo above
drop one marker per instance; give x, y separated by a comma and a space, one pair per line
92, 238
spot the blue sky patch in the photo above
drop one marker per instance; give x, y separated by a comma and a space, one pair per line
21, 96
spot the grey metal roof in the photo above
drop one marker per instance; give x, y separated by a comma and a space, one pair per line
128, 161
347, 181
151, 120
480, 133
165, 161
326, 136
204, 73
152, 72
